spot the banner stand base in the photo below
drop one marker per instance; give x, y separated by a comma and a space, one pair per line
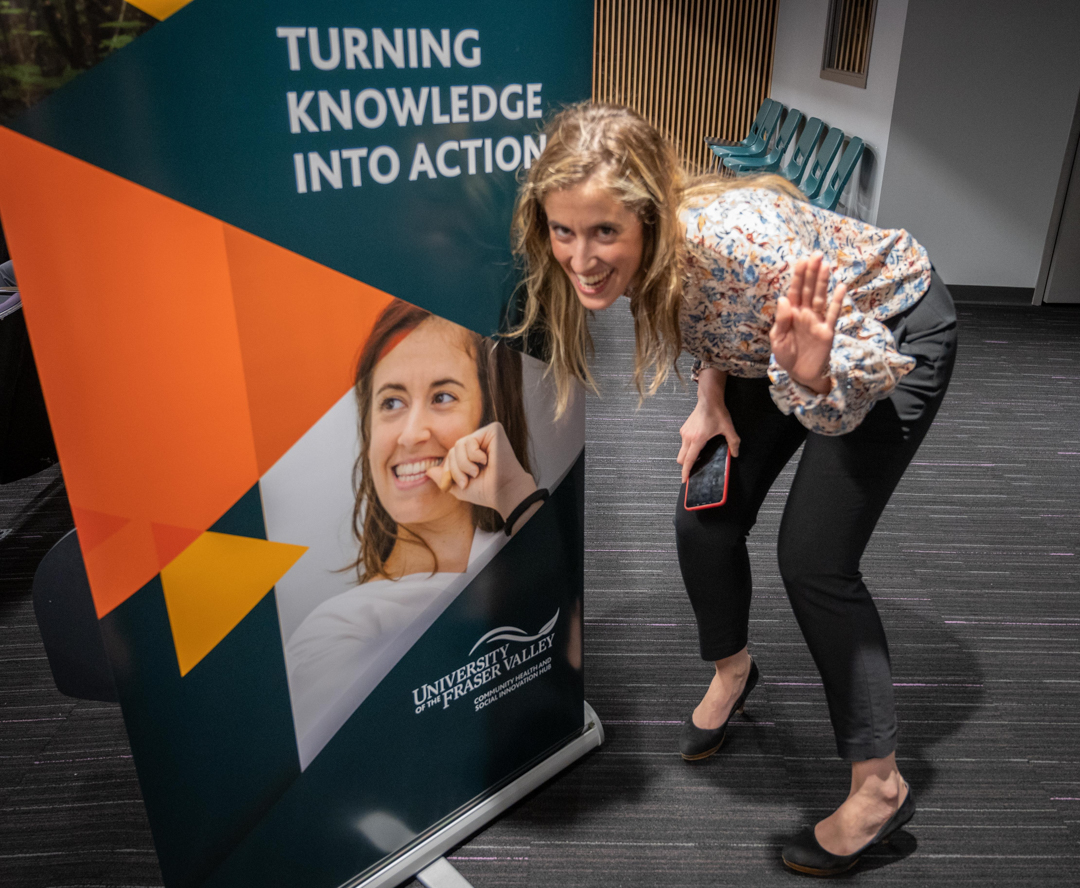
426, 860
441, 874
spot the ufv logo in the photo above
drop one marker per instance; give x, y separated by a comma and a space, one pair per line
496, 663
512, 633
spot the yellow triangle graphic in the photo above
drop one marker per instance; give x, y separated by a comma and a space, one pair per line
213, 584
159, 9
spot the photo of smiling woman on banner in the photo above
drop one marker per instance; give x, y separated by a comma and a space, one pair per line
443, 444
443, 466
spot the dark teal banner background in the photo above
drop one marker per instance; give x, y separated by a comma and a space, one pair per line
197, 109
216, 755
389, 773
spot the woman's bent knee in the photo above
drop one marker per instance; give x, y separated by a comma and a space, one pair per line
818, 567
799, 560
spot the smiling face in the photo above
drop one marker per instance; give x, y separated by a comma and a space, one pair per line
597, 241
425, 396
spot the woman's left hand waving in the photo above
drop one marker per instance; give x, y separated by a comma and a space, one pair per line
802, 333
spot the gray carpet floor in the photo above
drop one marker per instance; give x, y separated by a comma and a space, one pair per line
976, 570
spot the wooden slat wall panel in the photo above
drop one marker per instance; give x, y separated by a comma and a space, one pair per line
694, 68
851, 41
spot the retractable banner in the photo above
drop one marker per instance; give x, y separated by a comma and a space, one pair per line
263, 250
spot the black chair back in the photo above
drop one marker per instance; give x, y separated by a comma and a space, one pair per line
68, 622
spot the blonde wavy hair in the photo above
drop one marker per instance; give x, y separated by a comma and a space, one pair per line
639, 167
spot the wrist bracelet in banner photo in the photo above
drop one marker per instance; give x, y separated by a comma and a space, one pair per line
538, 495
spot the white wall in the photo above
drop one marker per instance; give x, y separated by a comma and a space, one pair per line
866, 113
984, 102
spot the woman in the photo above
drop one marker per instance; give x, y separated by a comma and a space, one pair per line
443, 467
807, 327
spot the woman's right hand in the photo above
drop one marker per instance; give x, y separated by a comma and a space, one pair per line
709, 419
482, 468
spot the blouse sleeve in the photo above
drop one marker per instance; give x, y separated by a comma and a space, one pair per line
737, 262
864, 367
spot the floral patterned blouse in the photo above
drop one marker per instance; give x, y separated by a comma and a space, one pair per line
742, 248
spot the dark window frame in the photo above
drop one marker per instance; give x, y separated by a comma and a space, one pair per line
832, 36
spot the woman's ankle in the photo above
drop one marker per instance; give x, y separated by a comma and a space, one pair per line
738, 664
879, 779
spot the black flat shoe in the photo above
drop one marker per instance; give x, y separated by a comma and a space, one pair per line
699, 743
805, 854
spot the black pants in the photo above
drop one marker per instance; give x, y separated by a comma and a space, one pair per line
840, 489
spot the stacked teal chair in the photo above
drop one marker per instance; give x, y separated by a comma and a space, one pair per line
755, 127
793, 170
811, 184
829, 198
760, 143
770, 163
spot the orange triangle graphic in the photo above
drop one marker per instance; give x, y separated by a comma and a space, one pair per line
168, 396
139, 362
159, 9
214, 584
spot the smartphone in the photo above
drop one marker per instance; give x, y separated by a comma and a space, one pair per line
706, 488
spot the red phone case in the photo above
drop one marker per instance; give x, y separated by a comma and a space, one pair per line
723, 499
